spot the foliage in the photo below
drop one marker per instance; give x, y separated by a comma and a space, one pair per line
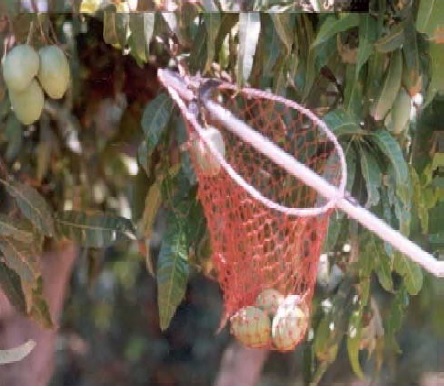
68, 177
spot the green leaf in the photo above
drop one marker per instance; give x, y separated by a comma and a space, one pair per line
93, 229
372, 175
16, 354
14, 229
392, 41
155, 118
353, 93
39, 309
332, 25
393, 320
367, 36
335, 226
198, 54
390, 88
418, 199
383, 265
153, 202
353, 342
391, 149
33, 205
249, 30
271, 48
14, 135
351, 158
429, 17
284, 25
412, 69
142, 28
11, 286
172, 270
342, 123
19, 257
411, 272
213, 22
402, 209
436, 53
115, 28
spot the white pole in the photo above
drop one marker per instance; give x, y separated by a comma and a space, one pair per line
289, 163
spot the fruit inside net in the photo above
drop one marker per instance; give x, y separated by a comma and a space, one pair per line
266, 226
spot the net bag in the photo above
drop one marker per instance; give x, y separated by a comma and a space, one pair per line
266, 226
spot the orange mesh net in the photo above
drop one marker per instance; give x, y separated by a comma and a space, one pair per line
257, 247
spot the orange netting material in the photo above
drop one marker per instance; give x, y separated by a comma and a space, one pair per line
254, 246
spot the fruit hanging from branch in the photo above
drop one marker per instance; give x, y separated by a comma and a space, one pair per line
20, 66
28, 104
207, 162
53, 74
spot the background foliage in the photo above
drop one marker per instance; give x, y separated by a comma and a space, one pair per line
105, 168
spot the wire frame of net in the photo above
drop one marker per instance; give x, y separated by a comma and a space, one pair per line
266, 226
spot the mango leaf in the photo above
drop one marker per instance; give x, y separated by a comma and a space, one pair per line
213, 22
392, 41
16, 354
249, 30
418, 199
32, 204
327, 339
411, 272
14, 229
351, 159
372, 175
11, 286
391, 149
318, 57
411, 71
198, 54
402, 209
429, 17
335, 226
19, 257
93, 229
390, 88
342, 123
153, 202
284, 25
353, 93
375, 75
115, 28
393, 320
332, 25
367, 36
353, 342
142, 28
155, 118
39, 309
333, 326
14, 135
436, 53
172, 269
382, 263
